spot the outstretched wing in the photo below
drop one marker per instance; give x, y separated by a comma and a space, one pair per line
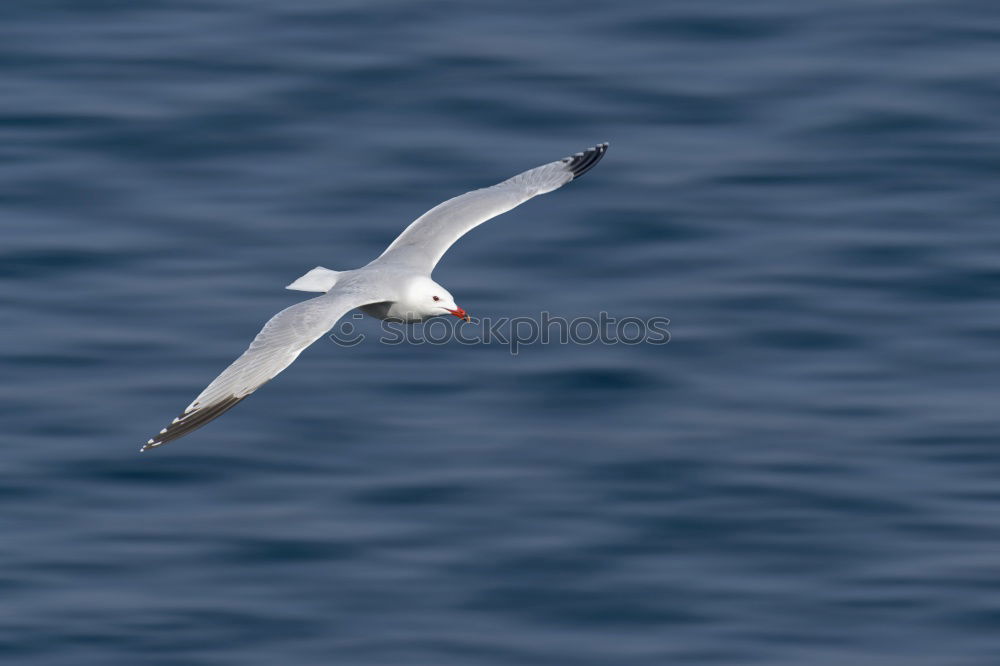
422, 244
278, 344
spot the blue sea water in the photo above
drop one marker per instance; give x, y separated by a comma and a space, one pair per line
808, 473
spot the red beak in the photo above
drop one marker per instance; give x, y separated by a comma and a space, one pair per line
461, 314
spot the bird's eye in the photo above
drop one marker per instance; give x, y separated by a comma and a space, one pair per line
436, 298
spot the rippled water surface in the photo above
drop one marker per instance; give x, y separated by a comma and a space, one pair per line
808, 473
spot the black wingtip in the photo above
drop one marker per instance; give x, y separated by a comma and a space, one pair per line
583, 162
193, 420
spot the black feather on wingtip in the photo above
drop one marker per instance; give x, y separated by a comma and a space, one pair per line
583, 162
193, 421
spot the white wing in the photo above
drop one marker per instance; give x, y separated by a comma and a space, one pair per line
423, 243
278, 344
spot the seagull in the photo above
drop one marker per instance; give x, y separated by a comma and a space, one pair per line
397, 286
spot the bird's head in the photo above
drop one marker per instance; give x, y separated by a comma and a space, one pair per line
425, 298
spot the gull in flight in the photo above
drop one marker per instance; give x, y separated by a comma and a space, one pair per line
396, 286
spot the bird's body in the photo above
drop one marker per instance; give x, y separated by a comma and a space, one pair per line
396, 286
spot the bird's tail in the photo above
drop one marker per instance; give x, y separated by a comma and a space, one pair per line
318, 279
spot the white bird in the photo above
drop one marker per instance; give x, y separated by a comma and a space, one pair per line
396, 286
